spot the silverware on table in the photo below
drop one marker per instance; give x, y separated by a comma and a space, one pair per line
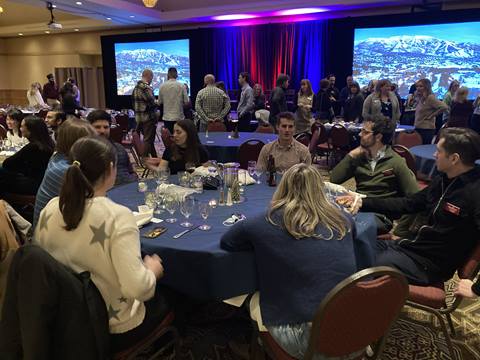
185, 232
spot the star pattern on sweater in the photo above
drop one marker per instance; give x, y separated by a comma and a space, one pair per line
122, 300
44, 221
99, 234
112, 313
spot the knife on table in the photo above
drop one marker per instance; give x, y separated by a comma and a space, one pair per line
185, 232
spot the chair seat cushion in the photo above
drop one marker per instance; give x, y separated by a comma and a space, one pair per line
276, 350
433, 296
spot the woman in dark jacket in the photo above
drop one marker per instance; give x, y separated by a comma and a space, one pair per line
322, 104
352, 110
23, 172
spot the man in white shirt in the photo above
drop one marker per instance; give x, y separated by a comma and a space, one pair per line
173, 96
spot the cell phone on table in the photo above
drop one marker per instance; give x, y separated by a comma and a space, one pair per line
156, 232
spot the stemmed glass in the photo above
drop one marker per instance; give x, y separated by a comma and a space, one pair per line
204, 209
171, 205
186, 208
259, 173
190, 167
212, 167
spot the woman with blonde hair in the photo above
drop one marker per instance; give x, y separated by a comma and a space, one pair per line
382, 101
460, 109
449, 96
303, 114
303, 248
428, 107
34, 96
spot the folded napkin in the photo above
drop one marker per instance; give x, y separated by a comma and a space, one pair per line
143, 217
203, 171
179, 192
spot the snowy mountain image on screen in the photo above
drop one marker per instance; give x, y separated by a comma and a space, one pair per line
406, 58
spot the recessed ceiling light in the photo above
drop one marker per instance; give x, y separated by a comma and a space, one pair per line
132, 16
78, 3
54, 6
109, 18
47, 32
77, 29
20, 34
234, 17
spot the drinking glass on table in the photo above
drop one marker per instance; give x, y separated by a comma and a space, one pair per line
186, 208
171, 205
204, 209
163, 175
252, 165
150, 199
190, 167
259, 173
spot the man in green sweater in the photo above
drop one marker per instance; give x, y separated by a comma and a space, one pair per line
378, 170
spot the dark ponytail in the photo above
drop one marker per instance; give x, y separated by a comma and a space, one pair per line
91, 158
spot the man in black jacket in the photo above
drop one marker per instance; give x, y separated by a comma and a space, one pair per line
278, 98
452, 202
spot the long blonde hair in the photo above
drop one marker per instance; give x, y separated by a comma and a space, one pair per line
301, 196
34, 87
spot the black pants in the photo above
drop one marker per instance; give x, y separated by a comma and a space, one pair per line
426, 134
389, 253
155, 311
149, 130
16, 183
169, 125
244, 122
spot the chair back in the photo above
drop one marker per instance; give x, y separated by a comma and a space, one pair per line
303, 138
409, 139
407, 155
216, 126
319, 136
122, 121
436, 138
3, 132
249, 151
471, 266
166, 137
138, 144
42, 114
339, 137
116, 134
266, 129
359, 311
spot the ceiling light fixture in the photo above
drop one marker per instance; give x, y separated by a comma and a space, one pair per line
78, 3
131, 16
300, 11
234, 17
1, 9
47, 32
108, 18
150, 3
20, 34
77, 29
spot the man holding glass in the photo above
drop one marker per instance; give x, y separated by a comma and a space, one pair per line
286, 151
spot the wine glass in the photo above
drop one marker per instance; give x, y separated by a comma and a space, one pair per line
259, 173
212, 167
171, 205
186, 208
190, 167
150, 199
252, 165
204, 209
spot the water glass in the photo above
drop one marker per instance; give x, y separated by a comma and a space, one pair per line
197, 183
186, 208
142, 185
184, 178
258, 173
252, 165
204, 209
163, 176
150, 199
171, 205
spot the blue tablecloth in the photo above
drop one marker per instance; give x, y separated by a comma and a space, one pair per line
196, 265
425, 160
224, 149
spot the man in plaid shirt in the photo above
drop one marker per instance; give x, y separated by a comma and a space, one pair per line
145, 115
212, 104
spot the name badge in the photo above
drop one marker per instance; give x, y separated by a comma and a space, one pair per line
388, 172
452, 209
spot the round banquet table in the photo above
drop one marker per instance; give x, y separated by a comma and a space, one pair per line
223, 148
355, 128
425, 160
197, 266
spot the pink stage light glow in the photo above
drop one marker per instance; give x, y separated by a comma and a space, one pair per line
300, 11
234, 17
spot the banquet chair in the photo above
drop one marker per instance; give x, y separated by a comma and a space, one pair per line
162, 330
356, 313
265, 128
116, 134
216, 126
166, 137
339, 142
319, 144
3, 132
42, 114
411, 162
408, 139
122, 122
249, 151
24, 204
303, 138
138, 150
433, 298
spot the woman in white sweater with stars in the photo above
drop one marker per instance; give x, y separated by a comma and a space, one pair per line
86, 231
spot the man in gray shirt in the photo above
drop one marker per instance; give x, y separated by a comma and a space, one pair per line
246, 105
173, 96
